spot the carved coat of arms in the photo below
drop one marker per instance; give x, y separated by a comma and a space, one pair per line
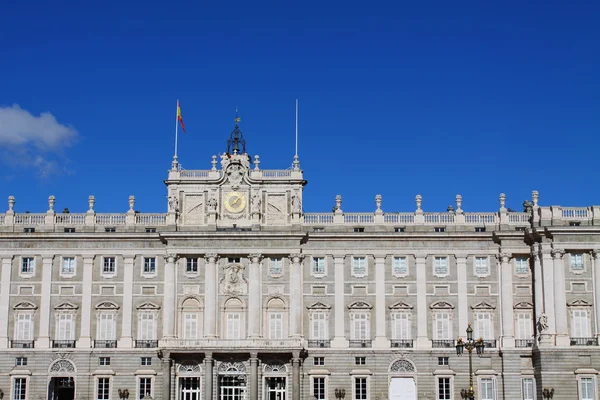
233, 281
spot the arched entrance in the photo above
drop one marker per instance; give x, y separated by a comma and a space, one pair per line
275, 386
62, 380
232, 381
403, 385
188, 378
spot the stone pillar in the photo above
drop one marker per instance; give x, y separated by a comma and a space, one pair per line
296, 295
548, 276
4, 300
166, 378
85, 338
169, 306
381, 340
253, 376
560, 300
208, 376
210, 295
339, 338
463, 302
596, 266
296, 377
422, 339
506, 298
43, 340
254, 297
126, 340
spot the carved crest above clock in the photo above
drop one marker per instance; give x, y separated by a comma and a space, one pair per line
236, 166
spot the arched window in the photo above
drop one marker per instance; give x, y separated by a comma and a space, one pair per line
234, 319
276, 319
191, 313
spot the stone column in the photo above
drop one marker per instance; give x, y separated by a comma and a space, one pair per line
548, 276
210, 295
463, 302
560, 300
381, 340
126, 337
253, 376
506, 298
296, 295
5, 300
169, 306
254, 297
43, 340
166, 378
422, 339
339, 338
596, 266
208, 376
296, 377
85, 338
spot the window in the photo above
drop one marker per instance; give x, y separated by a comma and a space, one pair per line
443, 360
524, 326
360, 326
21, 361
400, 229
401, 326
482, 266
64, 327
29, 230
483, 326
191, 265
190, 326
359, 230
528, 388
103, 389
28, 265
521, 265
439, 229
145, 388
360, 360
319, 361
109, 266
359, 266
149, 265
587, 388
20, 389
440, 266
233, 259
577, 262
24, 326
399, 267
319, 326
68, 266
275, 266
318, 266
318, 229
444, 391
487, 389
319, 390
580, 327
275, 325
69, 230
520, 229
146, 361
574, 223
104, 361
442, 326
233, 326
110, 230
360, 388
150, 230
480, 229
147, 326
106, 326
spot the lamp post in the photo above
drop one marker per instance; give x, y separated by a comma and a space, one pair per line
340, 393
470, 345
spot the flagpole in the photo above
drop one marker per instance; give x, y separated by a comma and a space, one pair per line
296, 128
176, 128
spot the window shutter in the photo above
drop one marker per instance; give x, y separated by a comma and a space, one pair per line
524, 326
233, 326
275, 325
24, 327
190, 326
65, 327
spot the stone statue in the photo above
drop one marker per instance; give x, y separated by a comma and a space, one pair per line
256, 203
543, 323
173, 203
296, 204
212, 203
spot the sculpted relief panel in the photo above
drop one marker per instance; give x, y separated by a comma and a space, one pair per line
233, 281
276, 209
193, 209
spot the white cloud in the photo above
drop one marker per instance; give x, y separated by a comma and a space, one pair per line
33, 141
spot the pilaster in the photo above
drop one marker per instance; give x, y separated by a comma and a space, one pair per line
339, 338
254, 297
126, 340
596, 266
506, 302
296, 377
296, 295
85, 339
208, 376
43, 340
253, 376
381, 340
422, 339
169, 298
560, 300
463, 302
5, 301
210, 296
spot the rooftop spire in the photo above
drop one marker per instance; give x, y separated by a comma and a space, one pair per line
236, 143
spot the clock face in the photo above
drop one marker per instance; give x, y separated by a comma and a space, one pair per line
235, 202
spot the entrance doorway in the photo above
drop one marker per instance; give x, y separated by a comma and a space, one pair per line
189, 388
403, 389
62, 388
275, 388
232, 387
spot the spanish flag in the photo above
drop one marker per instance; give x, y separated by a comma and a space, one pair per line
179, 117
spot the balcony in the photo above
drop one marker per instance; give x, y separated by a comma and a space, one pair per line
146, 344
524, 343
489, 344
63, 344
442, 344
402, 343
105, 344
22, 344
233, 344
360, 343
584, 341
319, 343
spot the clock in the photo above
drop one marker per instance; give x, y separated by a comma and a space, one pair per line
235, 202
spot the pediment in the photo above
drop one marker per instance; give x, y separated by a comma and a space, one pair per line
107, 305
319, 306
360, 305
66, 306
400, 305
148, 306
579, 303
441, 305
25, 305
483, 305
524, 306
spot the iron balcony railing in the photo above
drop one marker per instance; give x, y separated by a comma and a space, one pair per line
402, 343
105, 344
63, 344
319, 343
22, 344
489, 344
146, 344
524, 343
584, 341
360, 343
443, 344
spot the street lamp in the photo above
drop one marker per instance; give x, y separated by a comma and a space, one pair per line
340, 393
470, 345
548, 393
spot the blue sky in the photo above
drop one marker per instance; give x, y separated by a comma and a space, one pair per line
396, 98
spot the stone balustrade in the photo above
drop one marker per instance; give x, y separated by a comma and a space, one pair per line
233, 343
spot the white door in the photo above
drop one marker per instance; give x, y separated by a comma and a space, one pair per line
403, 389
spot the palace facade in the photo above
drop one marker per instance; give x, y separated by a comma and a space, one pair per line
236, 293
